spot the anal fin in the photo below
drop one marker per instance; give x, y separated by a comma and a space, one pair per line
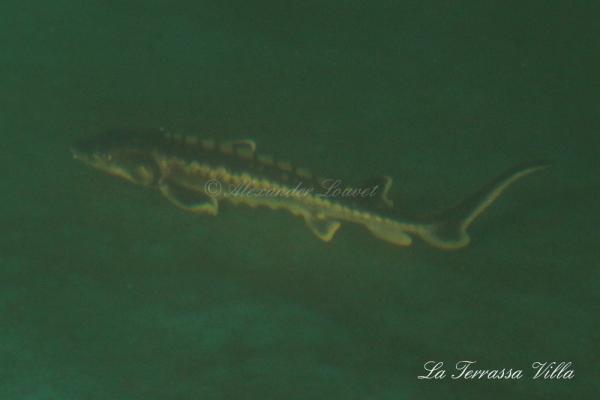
390, 233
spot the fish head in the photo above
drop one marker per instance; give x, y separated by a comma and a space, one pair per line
119, 154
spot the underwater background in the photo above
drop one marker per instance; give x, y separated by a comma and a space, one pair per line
109, 292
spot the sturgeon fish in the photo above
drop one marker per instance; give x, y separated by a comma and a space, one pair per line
196, 175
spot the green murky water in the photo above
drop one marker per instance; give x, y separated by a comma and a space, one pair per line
109, 292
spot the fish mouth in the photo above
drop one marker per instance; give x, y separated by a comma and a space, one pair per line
75, 153
82, 155
78, 154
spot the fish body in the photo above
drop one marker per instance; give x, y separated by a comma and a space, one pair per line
197, 175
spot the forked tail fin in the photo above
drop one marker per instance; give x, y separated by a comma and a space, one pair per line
448, 230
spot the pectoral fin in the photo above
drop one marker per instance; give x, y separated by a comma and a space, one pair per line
323, 227
188, 199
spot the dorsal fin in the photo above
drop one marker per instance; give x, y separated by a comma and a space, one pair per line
242, 144
379, 187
